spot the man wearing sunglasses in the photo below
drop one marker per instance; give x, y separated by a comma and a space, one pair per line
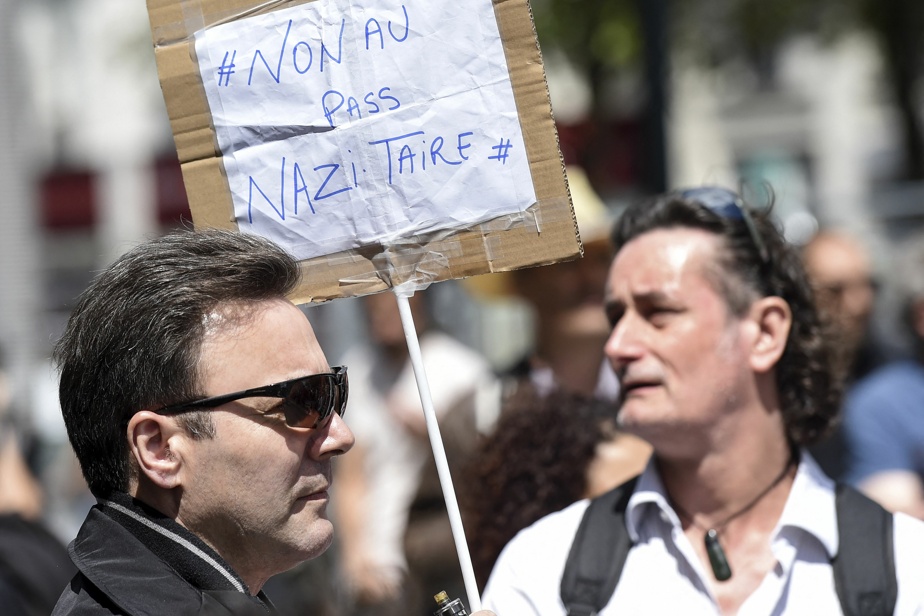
205, 418
724, 369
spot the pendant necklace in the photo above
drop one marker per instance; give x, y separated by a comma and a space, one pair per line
717, 559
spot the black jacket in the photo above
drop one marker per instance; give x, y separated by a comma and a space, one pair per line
34, 567
135, 562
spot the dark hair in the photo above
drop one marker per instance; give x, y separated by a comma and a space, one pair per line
133, 340
809, 389
533, 463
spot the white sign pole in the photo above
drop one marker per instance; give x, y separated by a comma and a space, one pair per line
439, 453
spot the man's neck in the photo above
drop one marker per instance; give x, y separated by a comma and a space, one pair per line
724, 481
729, 503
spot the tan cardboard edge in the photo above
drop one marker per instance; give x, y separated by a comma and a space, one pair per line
483, 249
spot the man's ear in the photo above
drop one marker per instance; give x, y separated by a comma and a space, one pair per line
150, 440
774, 320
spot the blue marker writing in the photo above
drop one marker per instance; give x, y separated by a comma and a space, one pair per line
373, 27
387, 143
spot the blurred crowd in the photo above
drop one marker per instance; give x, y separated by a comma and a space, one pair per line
522, 440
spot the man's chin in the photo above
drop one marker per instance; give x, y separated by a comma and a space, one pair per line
316, 539
325, 542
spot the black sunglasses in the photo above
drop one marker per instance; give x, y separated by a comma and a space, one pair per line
307, 402
727, 204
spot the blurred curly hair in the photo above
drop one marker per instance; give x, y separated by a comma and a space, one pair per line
533, 463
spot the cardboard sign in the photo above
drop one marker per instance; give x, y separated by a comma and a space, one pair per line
381, 142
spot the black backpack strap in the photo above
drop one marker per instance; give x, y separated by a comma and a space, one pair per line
598, 553
864, 568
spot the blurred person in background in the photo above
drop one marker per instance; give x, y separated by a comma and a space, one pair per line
531, 465
884, 412
34, 566
570, 327
841, 272
395, 541
545, 452
566, 298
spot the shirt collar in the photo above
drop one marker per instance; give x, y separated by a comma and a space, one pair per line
649, 496
810, 505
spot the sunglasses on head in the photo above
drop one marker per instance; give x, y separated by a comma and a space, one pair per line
307, 401
727, 204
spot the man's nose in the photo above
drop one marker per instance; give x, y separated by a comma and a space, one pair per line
338, 438
623, 345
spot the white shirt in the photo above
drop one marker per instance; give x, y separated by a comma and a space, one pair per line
662, 574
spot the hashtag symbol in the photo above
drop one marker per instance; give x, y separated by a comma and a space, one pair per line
226, 69
503, 151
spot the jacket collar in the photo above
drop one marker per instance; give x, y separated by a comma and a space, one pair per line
148, 564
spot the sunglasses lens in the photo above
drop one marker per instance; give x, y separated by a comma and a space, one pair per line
344, 391
310, 401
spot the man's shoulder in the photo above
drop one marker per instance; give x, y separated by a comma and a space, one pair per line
81, 598
552, 533
908, 542
527, 575
120, 574
887, 399
881, 384
566, 518
909, 536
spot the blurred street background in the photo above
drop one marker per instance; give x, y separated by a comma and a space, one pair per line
821, 99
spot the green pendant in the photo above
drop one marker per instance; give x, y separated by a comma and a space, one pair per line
717, 559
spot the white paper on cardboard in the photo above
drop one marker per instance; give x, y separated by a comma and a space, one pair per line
349, 123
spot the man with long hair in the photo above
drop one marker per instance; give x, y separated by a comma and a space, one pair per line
724, 370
